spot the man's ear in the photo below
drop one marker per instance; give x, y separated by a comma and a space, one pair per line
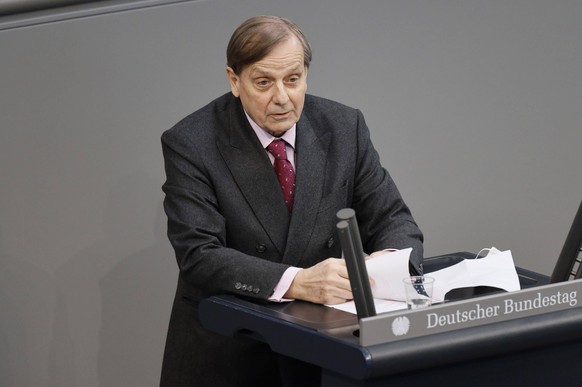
234, 81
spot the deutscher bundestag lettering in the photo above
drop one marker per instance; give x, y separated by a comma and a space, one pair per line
508, 306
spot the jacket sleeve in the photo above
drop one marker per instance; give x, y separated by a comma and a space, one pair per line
385, 220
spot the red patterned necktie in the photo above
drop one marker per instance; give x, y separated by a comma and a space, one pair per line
284, 171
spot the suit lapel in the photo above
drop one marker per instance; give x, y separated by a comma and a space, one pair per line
252, 171
310, 160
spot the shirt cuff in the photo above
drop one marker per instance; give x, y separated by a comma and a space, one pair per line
284, 285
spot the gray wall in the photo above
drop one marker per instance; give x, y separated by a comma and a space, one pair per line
473, 105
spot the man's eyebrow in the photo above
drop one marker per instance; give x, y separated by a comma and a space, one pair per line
260, 72
257, 71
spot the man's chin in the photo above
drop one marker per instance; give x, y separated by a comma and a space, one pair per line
280, 128
276, 133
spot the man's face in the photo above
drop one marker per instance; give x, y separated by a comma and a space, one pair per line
272, 90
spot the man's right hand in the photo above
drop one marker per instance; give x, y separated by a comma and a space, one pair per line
325, 283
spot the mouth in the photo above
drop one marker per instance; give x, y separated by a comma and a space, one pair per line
281, 116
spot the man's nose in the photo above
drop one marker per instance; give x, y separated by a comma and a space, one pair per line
280, 94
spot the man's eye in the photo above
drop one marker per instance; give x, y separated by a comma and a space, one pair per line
262, 82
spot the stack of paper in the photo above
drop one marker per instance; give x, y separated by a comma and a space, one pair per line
388, 270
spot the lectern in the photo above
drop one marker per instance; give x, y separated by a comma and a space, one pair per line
542, 349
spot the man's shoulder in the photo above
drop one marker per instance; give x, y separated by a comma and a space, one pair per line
198, 122
316, 102
214, 108
321, 110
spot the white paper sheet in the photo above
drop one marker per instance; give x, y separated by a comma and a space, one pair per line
381, 306
497, 269
388, 270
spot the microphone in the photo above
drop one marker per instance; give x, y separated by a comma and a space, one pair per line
353, 252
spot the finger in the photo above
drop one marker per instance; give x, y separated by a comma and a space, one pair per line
343, 295
338, 300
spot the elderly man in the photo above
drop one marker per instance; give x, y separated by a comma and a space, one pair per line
254, 182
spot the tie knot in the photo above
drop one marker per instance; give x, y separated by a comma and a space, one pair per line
277, 149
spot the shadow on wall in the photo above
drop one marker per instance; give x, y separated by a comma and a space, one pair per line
26, 291
114, 297
137, 297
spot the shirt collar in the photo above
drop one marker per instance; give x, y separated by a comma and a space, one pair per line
266, 138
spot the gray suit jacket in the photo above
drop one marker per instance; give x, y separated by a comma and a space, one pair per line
232, 233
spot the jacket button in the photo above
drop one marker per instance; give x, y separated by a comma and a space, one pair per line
261, 248
256, 290
250, 288
330, 242
237, 286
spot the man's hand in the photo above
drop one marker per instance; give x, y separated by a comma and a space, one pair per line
325, 283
